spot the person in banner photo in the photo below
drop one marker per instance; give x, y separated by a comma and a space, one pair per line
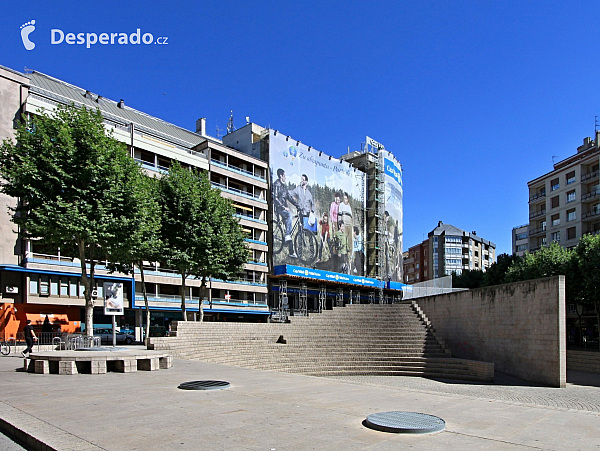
333, 212
341, 248
358, 250
305, 204
325, 236
345, 214
281, 197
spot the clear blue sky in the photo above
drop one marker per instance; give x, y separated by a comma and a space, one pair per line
473, 97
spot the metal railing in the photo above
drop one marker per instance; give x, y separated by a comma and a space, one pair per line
237, 169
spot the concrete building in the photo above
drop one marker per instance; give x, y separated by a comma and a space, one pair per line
38, 282
520, 240
564, 204
447, 249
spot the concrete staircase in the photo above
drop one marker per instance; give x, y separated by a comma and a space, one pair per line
386, 340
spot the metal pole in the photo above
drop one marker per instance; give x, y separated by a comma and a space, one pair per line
114, 325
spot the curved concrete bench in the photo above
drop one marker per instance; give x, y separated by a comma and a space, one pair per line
97, 362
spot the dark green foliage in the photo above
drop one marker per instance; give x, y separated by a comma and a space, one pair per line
74, 184
201, 237
468, 279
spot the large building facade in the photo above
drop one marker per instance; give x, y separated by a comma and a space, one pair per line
38, 282
564, 204
312, 273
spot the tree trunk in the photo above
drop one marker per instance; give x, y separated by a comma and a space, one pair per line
147, 334
200, 301
87, 292
183, 312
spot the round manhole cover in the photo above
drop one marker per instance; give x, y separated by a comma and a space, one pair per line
405, 422
203, 385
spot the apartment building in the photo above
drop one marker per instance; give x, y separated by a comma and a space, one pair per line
38, 282
564, 204
520, 240
416, 263
447, 249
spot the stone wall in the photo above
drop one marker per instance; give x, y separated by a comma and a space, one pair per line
520, 327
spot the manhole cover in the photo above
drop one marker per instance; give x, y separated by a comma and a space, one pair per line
405, 422
204, 385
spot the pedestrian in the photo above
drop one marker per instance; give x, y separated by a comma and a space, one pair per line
29, 337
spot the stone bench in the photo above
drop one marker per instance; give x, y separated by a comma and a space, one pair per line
97, 362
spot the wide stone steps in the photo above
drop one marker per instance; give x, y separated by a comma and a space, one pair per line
354, 340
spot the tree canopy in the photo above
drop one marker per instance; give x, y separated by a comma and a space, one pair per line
200, 234
74, 183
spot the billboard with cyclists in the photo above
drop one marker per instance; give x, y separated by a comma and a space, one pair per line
318, 207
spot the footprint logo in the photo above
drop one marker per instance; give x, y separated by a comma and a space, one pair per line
26, 30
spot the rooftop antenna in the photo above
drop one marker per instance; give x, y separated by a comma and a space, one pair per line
230, 127
219, 130
596, 125
553, 157
28, 71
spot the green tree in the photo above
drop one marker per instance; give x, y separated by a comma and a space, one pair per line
588, 259
496, 273
468, 279
201, 236
142, 238
548, 261
72, 180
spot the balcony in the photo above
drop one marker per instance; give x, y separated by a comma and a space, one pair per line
538, 197
238, 170
591, 215
538, 231
537, 214
238, 192
591, 195
589, 175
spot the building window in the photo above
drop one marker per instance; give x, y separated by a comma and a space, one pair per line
554, 184
571, 233
571, 177
555, 237
570, 196
554, 202
521, 236
555, 220
521, 247
571, 215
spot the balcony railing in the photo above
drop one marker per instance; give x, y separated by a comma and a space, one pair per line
591, 194
176, 299
537, 231
536, 214
238, 170
589, 175
537, 197
591, 214
238, 191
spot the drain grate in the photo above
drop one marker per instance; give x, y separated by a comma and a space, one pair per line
204, 385
405, 422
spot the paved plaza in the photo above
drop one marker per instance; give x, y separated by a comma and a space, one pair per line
264, 410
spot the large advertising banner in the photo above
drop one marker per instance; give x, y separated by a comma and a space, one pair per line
318, 208
393, 216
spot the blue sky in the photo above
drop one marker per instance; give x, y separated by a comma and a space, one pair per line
474, 98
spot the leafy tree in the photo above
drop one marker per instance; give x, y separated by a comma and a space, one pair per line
496, 273
588, 259
142, 239
201, 236
468, 279
72, 180
548, 261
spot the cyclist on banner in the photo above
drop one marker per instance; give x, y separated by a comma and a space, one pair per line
281, 197
305, 205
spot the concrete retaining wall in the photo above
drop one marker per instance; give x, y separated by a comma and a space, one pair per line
520, 327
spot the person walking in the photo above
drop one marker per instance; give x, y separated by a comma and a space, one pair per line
29, 338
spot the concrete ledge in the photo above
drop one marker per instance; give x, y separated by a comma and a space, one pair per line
97, 362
